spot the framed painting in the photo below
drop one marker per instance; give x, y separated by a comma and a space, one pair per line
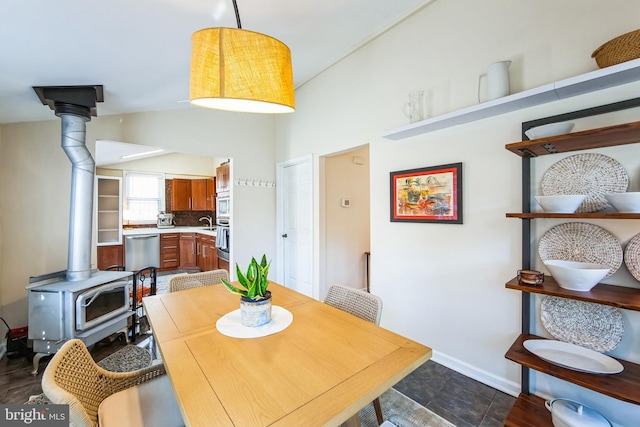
432, 194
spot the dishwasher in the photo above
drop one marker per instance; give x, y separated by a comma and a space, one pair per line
142, 250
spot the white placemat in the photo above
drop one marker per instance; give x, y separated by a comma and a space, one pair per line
230, 324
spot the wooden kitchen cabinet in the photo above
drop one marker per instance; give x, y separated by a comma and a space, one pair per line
187, 250
109, 255
223, 178
192, 195
211, 194
207, 255
169, 251
199, 194
529, 410
181, 194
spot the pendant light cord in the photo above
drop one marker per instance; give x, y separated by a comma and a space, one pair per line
235, 7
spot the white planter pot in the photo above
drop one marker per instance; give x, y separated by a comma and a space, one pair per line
255, 312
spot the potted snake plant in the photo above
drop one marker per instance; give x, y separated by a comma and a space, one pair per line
255, 299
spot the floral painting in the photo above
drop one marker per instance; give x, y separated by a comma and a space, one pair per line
432, 194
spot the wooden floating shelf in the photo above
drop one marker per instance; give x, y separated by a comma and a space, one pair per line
628, 133
617, 296
528, 411
603, 78
622, 386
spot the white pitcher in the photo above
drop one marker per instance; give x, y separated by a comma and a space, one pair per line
497, 80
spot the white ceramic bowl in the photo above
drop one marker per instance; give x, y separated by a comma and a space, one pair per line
576, 276
624, 202
561, 203
552, 129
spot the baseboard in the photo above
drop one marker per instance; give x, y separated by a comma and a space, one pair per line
3, 349
481, 375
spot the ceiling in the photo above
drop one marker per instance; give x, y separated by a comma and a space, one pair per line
139, 50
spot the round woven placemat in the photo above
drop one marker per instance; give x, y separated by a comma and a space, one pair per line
579, 241
589, 173
594, 326
632, 256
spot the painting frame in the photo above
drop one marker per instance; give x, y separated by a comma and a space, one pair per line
430, 194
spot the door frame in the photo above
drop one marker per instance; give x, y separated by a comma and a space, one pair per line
308, 159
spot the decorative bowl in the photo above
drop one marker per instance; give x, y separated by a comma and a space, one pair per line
561, 203
552, 129
576, 276
624, 202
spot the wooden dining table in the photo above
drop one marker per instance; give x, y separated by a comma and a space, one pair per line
319, 371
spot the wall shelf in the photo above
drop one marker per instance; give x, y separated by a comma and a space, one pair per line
604, 78
622, 386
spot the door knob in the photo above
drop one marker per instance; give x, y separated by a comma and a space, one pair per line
284, 235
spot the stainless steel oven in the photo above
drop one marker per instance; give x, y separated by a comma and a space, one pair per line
96, 305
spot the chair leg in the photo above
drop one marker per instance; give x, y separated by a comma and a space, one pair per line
378, 408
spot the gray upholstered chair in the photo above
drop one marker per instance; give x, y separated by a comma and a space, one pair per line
361, 304
99, 397
196, 280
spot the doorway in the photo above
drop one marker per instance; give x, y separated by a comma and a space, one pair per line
346, 219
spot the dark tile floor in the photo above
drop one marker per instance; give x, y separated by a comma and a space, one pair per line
459, 399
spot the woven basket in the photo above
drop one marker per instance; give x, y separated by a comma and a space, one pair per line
621, 49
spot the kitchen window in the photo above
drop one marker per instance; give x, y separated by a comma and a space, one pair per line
143, 197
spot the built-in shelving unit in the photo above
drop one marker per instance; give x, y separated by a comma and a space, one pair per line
530, 410
615, 75
109, 210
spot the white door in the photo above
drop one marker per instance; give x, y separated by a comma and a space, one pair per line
296, 236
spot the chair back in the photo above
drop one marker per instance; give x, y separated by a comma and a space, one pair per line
355, 301
73, 378
197, 280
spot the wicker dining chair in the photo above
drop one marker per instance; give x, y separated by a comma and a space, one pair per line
197, 280
361, 304
97, 397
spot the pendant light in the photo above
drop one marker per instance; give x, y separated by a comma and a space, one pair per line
239, 70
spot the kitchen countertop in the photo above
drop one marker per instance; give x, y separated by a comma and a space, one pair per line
155, 230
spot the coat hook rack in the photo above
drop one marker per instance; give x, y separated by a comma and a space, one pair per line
252, 182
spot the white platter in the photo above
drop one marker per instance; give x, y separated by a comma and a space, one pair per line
573, 356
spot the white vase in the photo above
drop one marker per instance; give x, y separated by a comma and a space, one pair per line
255, 312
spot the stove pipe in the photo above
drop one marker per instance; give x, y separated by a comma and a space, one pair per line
75, 105
81, 209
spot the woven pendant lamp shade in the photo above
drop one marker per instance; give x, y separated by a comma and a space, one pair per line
239, 70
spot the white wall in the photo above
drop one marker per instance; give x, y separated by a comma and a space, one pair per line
443, 284
347, 229
35, 177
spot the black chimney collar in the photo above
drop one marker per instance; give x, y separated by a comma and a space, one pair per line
83, 96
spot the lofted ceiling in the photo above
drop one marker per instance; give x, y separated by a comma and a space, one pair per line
139, 50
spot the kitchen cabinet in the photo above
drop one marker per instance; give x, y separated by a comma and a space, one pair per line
187, 245
211, 194
109, 210
199, 195
191, 194
207, 256
223, 264
223, 178
529, 410
109, 255
169, 251
181, 194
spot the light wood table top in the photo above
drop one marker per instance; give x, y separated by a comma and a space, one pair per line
321, 370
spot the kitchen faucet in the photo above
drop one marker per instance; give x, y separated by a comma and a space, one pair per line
208, 218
